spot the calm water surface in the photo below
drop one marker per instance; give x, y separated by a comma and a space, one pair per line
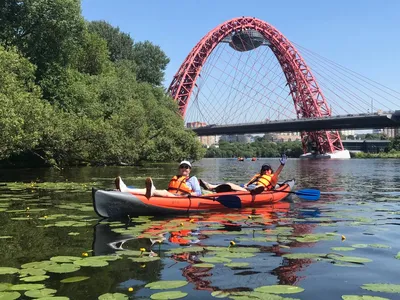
47, 213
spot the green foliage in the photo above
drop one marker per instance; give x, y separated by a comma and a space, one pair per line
74, 93
391, 154
259, 148
119, 43
151, 62
395, 144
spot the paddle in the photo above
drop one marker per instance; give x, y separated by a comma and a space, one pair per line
230, 201
306, 194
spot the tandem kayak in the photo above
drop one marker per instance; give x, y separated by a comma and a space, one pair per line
116, 205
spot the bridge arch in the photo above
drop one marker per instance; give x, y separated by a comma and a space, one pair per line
307, 96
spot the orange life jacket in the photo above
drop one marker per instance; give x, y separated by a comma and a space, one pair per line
268, 181
178, 185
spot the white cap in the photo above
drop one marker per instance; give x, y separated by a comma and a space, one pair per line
185, 162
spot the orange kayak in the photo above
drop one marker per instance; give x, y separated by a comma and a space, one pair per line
115, 204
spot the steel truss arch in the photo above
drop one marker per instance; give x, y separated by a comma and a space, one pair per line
307, 96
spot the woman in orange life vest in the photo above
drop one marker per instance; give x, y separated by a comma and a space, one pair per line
180, 184
265, 180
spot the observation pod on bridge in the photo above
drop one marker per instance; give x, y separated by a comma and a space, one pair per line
248, 33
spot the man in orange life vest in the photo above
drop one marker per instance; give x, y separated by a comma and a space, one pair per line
179, 185
265, 180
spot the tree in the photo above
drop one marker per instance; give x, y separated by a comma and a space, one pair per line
119, 43
395, 143
151, 62
22, 112
46, 31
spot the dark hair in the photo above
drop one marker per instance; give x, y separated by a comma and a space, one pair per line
266, 167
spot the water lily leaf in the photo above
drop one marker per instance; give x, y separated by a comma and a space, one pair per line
74, 279
360, 246
35, 278
186, 250
27, 287
256, 295
40, 293
107, 257
65, 259
32, 272
7, 270
220, 294
215, 259
73, 233
379, 246
9, 295
5, 286
363, 297
382, 287
91, 262
21, 218
62, 268
166, 284
204, 265
144, 258
279, 289
342, 248
5, 237
115, 296
237, 265
129, 252
244, 249
53, 298
168, 295
352, 259
302, 255
343, 264
38, 264
235, 254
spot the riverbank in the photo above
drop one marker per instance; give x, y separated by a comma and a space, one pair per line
390, 154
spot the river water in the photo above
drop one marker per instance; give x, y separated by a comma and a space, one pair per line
346, 240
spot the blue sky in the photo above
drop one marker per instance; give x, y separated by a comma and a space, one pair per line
362, 35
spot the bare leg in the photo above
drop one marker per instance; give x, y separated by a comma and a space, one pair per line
236, 187
163, 193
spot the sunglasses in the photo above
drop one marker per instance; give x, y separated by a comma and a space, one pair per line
184, 167
266, 169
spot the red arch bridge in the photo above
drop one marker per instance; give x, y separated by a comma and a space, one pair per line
245, 76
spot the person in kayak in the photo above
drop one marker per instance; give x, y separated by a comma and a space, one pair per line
265, 180
181, 184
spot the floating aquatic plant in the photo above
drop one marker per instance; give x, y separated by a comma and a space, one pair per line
166, 284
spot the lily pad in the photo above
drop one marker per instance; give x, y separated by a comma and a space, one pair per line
302, 255
73, 233
185, 250
363, 297
166, 284
7, 270
32, 272
235, 254
53, 298
220, 294
35, 278
9, 295
74, 279
91, 262
27, 287
382, 287
215, 259
381, 246
342, 248
38, 264
40, 293
5, 237
115, 296
279, 289
204, 265
237, 265
168, 295
65, 259
144, 259
62, 268
256, 295
360, 246
5, 286
352, 259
